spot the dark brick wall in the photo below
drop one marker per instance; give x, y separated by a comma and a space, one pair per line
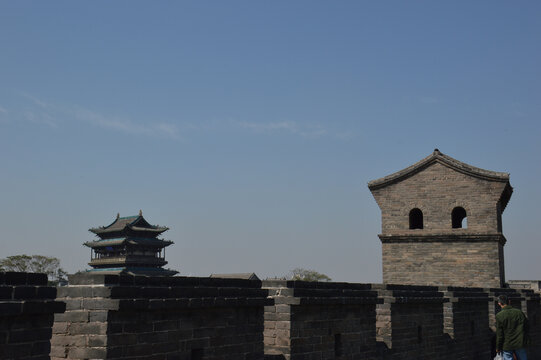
27, 307
320, 321
466, 321
139, 317
410, 322
126, 317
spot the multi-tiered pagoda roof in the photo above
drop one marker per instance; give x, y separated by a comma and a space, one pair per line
129, 245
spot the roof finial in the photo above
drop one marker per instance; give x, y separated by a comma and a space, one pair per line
436, 151
117, 215
140, 212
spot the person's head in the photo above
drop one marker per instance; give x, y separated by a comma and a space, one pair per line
503, 300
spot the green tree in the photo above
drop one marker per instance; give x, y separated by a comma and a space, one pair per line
35, 264
307, 275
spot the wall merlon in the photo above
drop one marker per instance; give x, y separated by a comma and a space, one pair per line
27, 308
124, 316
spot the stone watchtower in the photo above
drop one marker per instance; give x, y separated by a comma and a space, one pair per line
441, 223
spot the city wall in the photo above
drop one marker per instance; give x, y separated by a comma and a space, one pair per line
27, 308
139, 317
392, 322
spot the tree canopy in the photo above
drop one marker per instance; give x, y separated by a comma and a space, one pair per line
307, 275
35, 264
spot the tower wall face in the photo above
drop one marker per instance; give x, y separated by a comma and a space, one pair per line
464, 263
422, 245
436, 191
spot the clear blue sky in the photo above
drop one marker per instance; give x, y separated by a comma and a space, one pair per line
251, 128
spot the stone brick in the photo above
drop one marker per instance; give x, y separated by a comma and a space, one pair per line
87, 353
149, 324
438, 253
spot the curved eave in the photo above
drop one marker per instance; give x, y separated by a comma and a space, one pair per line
100, 231
96, 230
149, 242
126, 260
158, 243
156, 230
104, 243
131, 222
133, 271
438, 157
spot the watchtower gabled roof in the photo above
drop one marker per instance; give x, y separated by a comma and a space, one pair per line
438, 157
136, 222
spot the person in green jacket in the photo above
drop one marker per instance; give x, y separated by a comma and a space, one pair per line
511, 331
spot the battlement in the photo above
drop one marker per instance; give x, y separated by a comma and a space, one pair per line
386, 321
27, 307
140, 317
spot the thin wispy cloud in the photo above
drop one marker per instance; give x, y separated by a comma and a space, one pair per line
121, 124
37, 101
166, 128
40, 117
53, 115
269, 127
292, 127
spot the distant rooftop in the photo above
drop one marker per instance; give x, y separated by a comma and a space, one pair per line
134, 222
245, 276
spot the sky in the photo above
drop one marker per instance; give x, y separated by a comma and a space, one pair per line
251, 128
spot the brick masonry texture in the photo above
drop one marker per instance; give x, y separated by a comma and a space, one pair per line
27, 307
382, 321
445, 262
439, 254
139, 317
311, 320
437, 190
127, 317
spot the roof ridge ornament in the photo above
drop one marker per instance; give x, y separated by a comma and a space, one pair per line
117, 215
140, 212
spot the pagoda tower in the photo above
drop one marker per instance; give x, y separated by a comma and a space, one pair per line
129, 245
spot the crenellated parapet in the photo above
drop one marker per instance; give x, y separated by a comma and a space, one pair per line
386, 321
139, 317
410, 319
135, 317
27, 308
319, 320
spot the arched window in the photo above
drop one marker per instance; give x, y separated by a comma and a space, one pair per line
416, 219
459, 218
